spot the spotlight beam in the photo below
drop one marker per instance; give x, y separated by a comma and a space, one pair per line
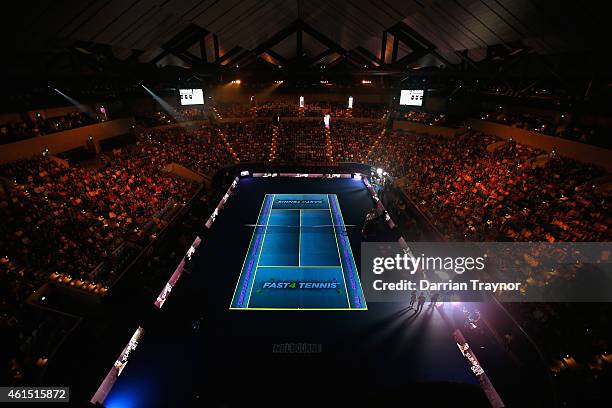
76, 103
165, 105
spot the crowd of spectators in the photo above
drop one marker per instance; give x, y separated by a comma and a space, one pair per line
152, 119
182, 114
251, 140
14, 131
193, 113
427, 118
302, 141
196, 147
232, 110
364, 110
351, 141
282, 108
69, 219
480, 194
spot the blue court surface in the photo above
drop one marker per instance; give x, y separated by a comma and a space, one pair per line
299, 258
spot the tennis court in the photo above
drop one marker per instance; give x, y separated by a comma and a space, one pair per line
299, 258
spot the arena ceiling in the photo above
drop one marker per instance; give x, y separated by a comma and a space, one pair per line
369, 33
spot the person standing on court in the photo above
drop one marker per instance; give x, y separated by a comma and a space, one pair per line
413, 297
420, 303
434, 299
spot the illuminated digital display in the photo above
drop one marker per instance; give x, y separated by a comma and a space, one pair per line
412, 97
191, 96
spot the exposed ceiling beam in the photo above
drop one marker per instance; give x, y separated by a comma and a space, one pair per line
181, 42
410, 58
322, 38
322, 55
299, 49
374, 60
281, 60
276, 38
230, 54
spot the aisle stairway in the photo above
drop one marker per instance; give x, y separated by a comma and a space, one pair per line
376, 142
328, 146
229, 146
274, 144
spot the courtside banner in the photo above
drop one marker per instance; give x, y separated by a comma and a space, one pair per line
474, 272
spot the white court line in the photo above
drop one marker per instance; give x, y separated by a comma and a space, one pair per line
338, 248
248, 249
350, 249
262, 247
300, 240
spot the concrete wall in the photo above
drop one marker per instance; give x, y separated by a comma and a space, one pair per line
575, 150
53, 112
426, 129
283, 119
63, 141
245, 119
236, 95
6, 117
183, 172
333, 119
10, 117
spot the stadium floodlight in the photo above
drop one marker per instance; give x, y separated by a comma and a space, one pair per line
379, 171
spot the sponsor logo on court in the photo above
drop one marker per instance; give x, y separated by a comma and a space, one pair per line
300, 285
297, 348
300, 202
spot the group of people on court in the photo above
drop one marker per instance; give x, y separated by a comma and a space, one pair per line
420, 300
